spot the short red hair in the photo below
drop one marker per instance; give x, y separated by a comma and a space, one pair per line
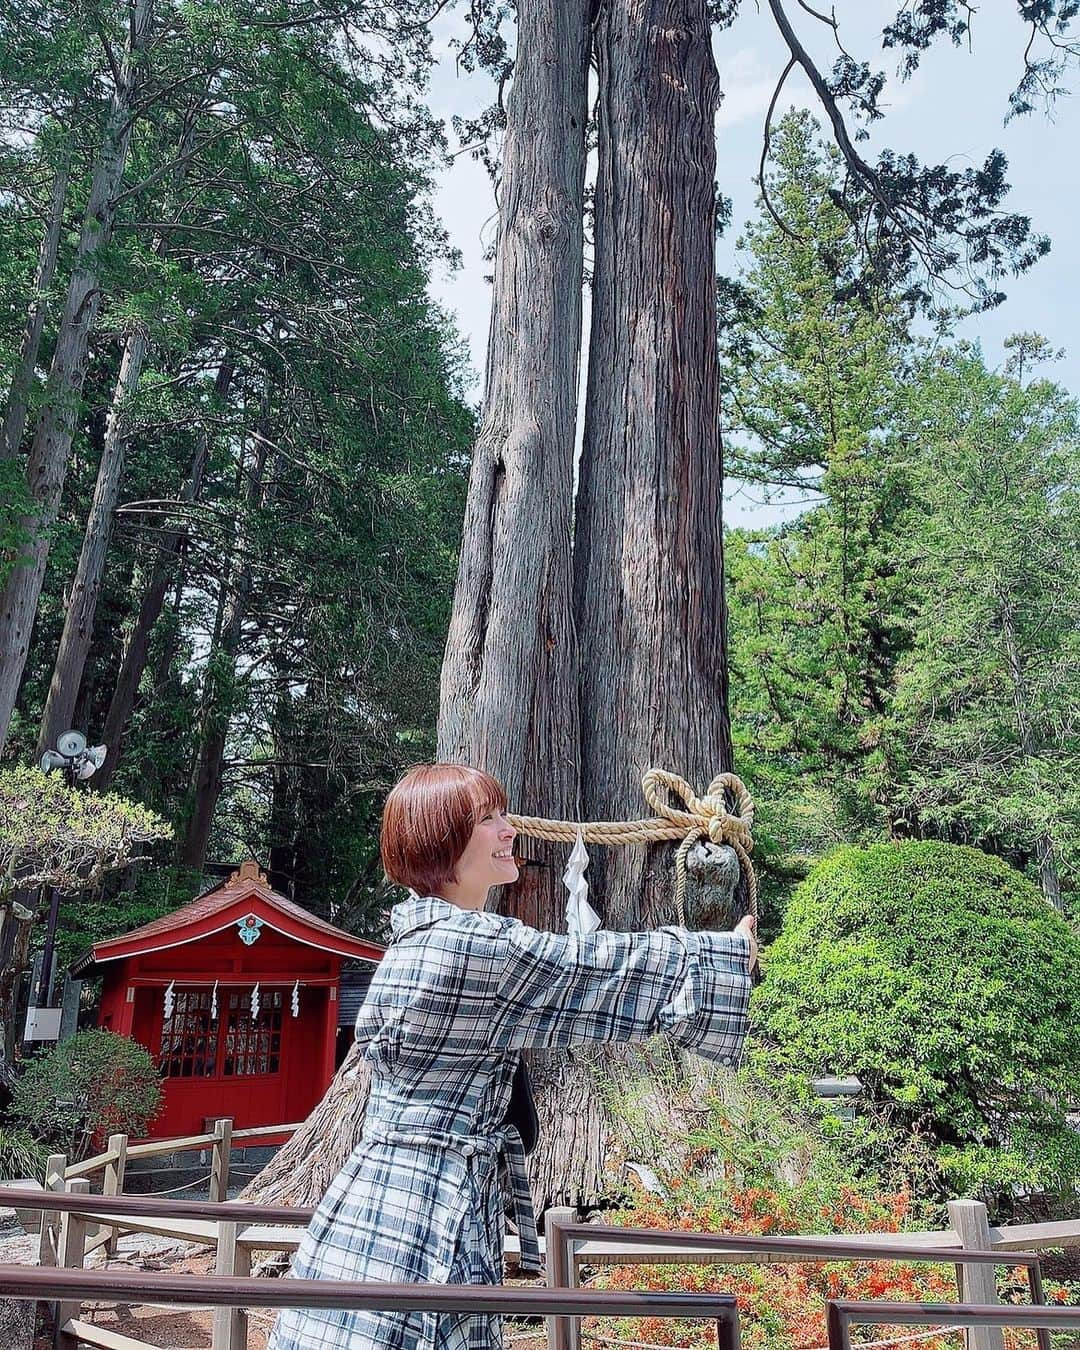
428, 819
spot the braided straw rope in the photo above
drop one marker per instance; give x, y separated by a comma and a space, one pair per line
705, 817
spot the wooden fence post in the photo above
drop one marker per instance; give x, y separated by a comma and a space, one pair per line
563, 1333
71, 1255
976, 1284
220, 1159
113, 1183
55, 1180
230, 1327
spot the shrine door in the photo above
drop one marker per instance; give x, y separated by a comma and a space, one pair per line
255, 1069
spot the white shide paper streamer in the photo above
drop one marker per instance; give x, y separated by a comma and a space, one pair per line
580, 915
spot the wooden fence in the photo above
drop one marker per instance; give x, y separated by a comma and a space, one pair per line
74, 1224
111, 1167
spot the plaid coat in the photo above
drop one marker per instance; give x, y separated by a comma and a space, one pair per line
456, 998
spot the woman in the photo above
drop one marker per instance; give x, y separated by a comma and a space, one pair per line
457, 997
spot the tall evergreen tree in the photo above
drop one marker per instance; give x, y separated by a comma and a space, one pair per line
817, 353
986, 735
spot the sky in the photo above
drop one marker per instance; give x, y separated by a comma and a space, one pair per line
952, 111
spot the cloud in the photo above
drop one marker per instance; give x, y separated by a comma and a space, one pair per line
747, 83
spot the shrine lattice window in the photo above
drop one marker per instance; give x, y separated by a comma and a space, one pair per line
253, 1045
189, 1038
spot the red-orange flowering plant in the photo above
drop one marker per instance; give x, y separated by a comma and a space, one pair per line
782, 1306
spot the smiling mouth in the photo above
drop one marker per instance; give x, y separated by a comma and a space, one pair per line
506, 856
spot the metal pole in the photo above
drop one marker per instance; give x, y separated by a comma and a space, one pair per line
45, 981
45, 977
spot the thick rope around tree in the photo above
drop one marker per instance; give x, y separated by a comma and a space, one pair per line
705, 817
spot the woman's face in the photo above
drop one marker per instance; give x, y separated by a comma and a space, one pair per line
488, 859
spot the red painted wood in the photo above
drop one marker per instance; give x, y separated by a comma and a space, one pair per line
272, 1074
319, 939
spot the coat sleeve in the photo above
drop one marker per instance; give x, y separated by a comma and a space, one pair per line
557, 991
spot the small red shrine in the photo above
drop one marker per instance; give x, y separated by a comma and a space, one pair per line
236, 996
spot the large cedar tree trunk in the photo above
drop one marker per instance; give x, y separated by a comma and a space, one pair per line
648, 585
508, 700
649, 599
509, 682
47, 465
22, 381
85, 587
163, 575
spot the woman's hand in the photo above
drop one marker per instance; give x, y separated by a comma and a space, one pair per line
746, 927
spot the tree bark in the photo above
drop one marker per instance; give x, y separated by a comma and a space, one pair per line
219, 695
508, 700
51, 445
22, 382
303, 1168
649, 597
16, 923
82, 600
162, 576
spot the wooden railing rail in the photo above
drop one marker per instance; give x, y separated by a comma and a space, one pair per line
69, 1288
156, 1148
259, 1131
842, 1314
153, 1206
89, 1166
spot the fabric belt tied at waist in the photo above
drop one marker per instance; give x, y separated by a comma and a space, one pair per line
505, 1147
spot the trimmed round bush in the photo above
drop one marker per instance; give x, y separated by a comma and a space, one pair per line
85, 1088
941, 978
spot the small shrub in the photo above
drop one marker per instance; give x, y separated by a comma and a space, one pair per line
20, 1155
94, 1084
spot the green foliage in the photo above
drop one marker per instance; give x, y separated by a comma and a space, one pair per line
702, 1130
21, 1155
297, 443
904, 652
90, 1086
816, 369
985, 739
52, 834
108, 910
14, 506
941, 978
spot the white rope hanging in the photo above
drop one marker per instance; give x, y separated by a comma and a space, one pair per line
255, 1004
296, 999
213, 1003
169, 1001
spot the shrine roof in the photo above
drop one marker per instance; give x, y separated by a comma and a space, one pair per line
245, 890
